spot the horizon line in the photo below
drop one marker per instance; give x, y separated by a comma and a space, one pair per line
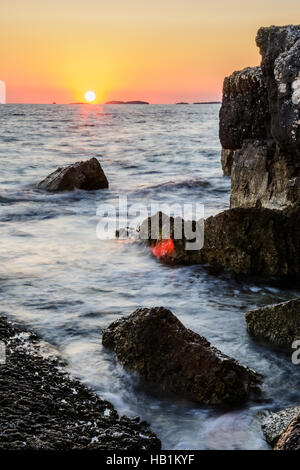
115, 104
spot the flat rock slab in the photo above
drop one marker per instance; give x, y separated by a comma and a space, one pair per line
278, 324
87, 175
155, 344
277, 423
43, 408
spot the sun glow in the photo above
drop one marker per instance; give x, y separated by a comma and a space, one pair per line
90, 96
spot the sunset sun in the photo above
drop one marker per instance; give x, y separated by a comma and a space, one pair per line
90, 96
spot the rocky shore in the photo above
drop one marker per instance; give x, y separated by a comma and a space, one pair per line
44, 408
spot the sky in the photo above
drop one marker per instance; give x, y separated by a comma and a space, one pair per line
162, 51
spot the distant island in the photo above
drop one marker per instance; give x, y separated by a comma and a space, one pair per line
146, 102
200, 102
127, 102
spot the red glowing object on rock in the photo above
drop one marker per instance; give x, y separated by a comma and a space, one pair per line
163, 248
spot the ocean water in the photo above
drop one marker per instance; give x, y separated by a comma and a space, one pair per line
58, 278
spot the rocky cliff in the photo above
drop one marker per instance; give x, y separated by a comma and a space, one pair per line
260, 124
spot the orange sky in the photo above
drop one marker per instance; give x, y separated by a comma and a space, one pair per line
161, 51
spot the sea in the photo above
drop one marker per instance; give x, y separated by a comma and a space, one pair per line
60, 279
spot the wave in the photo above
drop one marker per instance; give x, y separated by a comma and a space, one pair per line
193, 183
35, 215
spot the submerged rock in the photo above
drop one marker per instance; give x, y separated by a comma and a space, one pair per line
173, 359
279, 324
44, 408
276, 423
86, 175
260, 122
254, 241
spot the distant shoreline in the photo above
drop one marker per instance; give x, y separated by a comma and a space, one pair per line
113, 103
126, 102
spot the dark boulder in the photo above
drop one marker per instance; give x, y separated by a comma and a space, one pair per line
278, 324
86, 175
246, 241
155, 344
254, 241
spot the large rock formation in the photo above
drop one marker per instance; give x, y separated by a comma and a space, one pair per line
86, 175
260, 124
154, 343
278, 324
276, 424
253, 241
